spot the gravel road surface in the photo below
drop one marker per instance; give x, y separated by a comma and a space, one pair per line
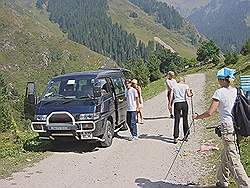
126, 164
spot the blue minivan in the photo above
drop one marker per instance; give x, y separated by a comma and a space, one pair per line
82, 105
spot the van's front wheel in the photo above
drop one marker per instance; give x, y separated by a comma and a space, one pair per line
108, 135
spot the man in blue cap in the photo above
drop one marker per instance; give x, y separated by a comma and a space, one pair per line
224, 99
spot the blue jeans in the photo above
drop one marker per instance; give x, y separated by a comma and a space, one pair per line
131, 121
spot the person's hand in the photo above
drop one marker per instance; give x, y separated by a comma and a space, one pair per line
169, 107
194, 116
191, 92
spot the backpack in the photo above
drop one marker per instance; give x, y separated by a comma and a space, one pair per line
241, 114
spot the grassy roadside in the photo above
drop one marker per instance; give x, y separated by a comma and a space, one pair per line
19, 150
153, 89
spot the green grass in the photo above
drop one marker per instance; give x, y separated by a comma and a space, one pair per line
153, 89
145, 28
14, 156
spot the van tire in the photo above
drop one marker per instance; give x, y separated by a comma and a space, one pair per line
108, 135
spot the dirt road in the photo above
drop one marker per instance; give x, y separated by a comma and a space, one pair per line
141, 163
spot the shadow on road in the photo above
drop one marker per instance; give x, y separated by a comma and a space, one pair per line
158, 137
156, 118
146, 183
122, 137
35, 145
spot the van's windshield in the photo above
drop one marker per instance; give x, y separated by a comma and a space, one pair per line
71, 88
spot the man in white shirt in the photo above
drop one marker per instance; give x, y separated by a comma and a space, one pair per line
180, 92
132, 106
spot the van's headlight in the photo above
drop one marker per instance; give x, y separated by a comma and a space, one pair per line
40, 117
92, 116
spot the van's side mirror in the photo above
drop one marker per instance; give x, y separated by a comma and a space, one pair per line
30, 100
97, 91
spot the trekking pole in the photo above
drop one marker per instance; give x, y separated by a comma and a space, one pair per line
192, 110
190, 126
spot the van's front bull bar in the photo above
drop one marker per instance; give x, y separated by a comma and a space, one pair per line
81, 132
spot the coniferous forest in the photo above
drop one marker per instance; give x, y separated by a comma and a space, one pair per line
87, 22
164, 14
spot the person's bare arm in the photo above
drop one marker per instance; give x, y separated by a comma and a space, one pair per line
137, 103
140, 94
189, 92
171, 98
214, 105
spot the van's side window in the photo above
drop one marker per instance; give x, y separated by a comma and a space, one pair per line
118, 85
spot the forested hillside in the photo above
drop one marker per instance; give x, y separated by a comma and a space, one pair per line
146, 28
186, 7
91, 25
87, 22
225, 22
163, 13
30, 45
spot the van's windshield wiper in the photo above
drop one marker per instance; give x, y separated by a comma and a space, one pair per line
69, 100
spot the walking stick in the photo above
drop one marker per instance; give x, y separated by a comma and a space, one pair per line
190, 126
192, 109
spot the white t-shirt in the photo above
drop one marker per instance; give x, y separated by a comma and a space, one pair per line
170, 83
131, 95
227, 97
180, 92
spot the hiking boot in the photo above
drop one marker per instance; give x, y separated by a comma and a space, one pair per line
136, 137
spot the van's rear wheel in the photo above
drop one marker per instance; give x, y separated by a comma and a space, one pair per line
108, 135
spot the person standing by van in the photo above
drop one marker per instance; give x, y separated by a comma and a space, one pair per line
139, 112
132, 107
180, 92
170, 82
224, 99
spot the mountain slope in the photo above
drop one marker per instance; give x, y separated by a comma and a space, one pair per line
224, 21
34, 49
186, 7
145, 28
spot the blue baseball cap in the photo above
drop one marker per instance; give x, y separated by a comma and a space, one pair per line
226, 73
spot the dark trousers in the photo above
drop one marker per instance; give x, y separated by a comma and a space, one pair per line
131, 121
181, 107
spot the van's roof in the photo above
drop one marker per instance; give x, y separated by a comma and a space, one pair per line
91, 74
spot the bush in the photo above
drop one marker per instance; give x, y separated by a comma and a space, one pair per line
139, 71
208, 52
133, 15
170, 61
154, 68
246, 48
5, 112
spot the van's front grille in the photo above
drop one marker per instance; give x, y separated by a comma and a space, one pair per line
60, 118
